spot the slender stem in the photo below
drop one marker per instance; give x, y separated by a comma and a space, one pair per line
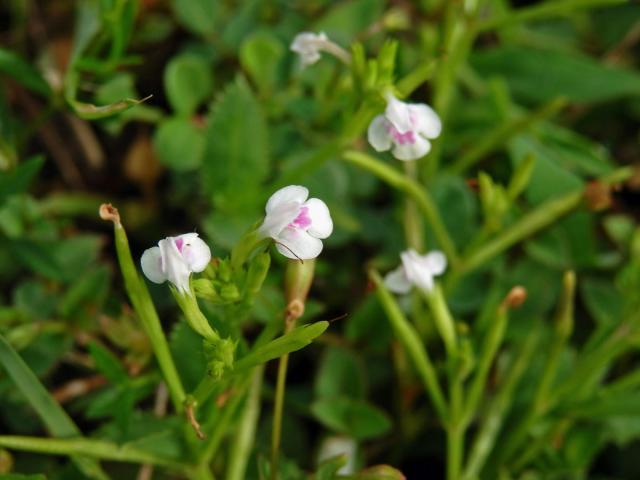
491, 344
455, 429
87, 447
414, 190
416, 77
337, 51
498, 410
544, 10
444, 321
244, 439
410, 340
539, 406
141, 300
497, 137
278, 407
539, 218
413, 228
459, 33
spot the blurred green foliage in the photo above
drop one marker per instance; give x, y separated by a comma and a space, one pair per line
188, 114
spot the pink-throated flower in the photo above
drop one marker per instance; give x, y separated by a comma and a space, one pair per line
405, 128
296, 224
174, 259
416, 270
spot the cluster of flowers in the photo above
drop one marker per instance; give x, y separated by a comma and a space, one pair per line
298, 224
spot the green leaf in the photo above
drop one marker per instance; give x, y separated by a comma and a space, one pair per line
188, 81
19, 179
352, 417
199, 16
339, 374
236, 159
186, 349
536, 76
347, 19
179, 144
295, 340
260, 55
602, 300
108, 364
38, 257
22, 72
90, 289
50, 412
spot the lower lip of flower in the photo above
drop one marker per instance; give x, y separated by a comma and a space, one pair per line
302, 220
402, 138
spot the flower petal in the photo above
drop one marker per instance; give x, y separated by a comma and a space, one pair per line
321, 223
412, 151
417, 272
436, 262
195, 252
378, 134
298, 244
397, 281
398, 114
292, 193
174, 265
151, 263
425, 120
279, 218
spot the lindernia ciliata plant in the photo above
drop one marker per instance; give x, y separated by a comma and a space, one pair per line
357, 240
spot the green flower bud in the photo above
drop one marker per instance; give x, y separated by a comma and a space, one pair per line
219, 354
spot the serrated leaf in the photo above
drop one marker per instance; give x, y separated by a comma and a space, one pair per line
236, 159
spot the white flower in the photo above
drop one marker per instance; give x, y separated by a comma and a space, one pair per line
407, 127
174, 259
308, 45
339, 445
416, 270
295, 223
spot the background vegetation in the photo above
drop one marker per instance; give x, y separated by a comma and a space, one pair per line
188, 114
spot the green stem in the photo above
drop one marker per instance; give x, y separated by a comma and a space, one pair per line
414, 190
415, 78
99, 449
141, 300
497, 137
413, 228
455, 429
539, 218
410, 340
194, 316
244, 438
491, 344
498, 410
551, 8
443, 320
459, 33
278, 408
540, 405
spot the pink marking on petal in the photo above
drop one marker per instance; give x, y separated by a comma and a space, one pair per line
179, 243
402, 138
302, 220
